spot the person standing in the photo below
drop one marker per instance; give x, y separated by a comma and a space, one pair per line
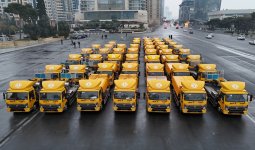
61, 41
102, 36
74, 44
79, 44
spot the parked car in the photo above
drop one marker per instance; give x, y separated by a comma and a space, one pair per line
191, 32
185, 30
252, 42
241, 37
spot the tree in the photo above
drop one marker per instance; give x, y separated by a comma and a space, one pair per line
63, 29
43, 22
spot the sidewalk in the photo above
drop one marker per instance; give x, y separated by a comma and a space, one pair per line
8, 50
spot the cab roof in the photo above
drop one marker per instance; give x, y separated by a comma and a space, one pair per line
90, 84
153, 57
77, 68
106, 66
171, 57
104, 50
193, 57
130, 65
184, 51
21, 85
95, 56
125, 84
131, 56
53, 68
114, 56
207, 67
177, 67
96, 45
121, 45
53, 85
74, 56
86, 50
128, 76
158, 85
233, 87
98, 76
155, 66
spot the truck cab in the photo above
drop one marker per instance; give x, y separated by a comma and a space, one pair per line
165, 51
125, 97
183, 53
85, 52
113, 43
51, 72
133, 50
130, 68
108, 68
230, 97
104, 52
176, 49
22, 96
95, 48
189, 94
119, 51
150, 51
74, 59
193, 61
56, 96
93, 94
158, 94
118, 58
162, 46
123, 46
109, 46
152, 58
74, 73
154, 69
209, 73
94, 59
135, 45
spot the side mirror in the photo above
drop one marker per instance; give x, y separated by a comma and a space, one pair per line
138, 95
250, 97
4, 96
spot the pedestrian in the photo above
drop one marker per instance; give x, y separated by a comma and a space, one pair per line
74, 44
169, 36
126, 34
71, 41
61, 41
105, 36
102, 36
79, 44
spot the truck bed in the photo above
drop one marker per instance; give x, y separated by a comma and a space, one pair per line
213, 93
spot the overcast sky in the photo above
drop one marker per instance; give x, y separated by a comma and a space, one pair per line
226, 4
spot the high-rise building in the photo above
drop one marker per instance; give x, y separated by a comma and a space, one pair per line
4, 3
203, 7
155, 9
186, 11
105, 10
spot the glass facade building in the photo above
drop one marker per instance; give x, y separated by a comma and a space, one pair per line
111, 4
110, 15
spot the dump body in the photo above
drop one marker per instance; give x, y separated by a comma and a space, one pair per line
189, 94
230, 97
152, 58
55, 96
22, 96
130, 68
93, 93
154, 69
125, 93
158, 94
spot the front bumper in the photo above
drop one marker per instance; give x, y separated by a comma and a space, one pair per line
235, 110
124, 107
158, 108
51, 108
18, 108
88, 107
194, 109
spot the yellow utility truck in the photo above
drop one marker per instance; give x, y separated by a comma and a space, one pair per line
152, 58
110, 69
51, 72
94, 59
183, 53
189, 94
93, 94
177, 69
132, 58
169, 59
57, 96
194, 61
230, 97
209, 73
22, 96
125, 97
74, 73
158, 94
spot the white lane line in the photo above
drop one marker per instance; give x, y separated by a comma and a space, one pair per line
231, 50
251, 118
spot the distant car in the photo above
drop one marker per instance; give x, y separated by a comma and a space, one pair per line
181, 26
177, 28
209, 36
252, 42
185, 30
191, 32
241, 37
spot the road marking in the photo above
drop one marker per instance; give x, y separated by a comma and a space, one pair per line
231, 50
251, 118
19, 126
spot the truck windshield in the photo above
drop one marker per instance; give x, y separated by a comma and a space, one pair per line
159, 96
181, 74
236, 98
105, 72
195, 97
17, 96
155, 73
50, 96
88, 95
124, 95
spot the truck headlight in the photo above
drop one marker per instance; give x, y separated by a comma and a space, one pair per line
59, 106
226, 107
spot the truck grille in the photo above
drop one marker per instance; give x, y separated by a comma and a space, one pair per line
159, 107
236, 109
124, 106
50, 107
88, 106
194, 108
19, 107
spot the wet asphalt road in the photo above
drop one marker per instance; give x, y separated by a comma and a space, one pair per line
139, 130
